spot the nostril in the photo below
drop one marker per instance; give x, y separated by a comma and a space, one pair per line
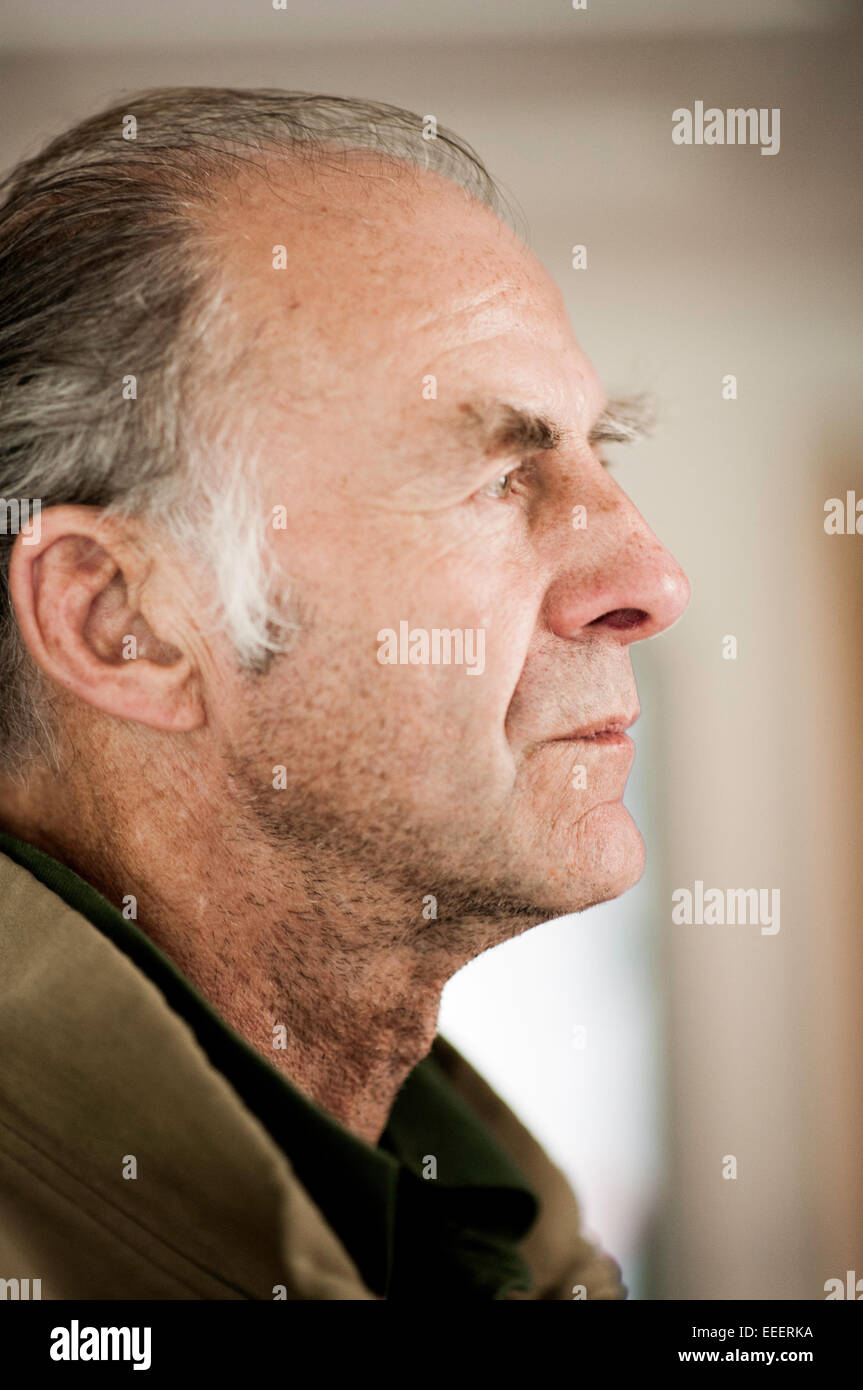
622, 619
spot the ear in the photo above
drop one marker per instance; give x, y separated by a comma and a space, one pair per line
96, 620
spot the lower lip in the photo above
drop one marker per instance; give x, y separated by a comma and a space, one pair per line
607, 740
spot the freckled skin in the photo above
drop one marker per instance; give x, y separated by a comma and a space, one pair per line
303, 905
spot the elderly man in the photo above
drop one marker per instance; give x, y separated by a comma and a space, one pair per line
314, 649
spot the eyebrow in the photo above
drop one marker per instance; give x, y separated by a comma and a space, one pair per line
511, 430
626, 420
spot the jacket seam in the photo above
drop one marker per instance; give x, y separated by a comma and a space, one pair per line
111, 1230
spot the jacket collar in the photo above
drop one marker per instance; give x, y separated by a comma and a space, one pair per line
251, 1176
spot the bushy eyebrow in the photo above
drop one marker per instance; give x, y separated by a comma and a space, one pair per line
626, 420
503, 429
506, 429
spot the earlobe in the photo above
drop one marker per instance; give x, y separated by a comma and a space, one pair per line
81, 601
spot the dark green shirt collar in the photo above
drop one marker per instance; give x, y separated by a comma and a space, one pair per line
411, 1235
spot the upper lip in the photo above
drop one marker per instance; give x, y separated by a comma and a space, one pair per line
613, 724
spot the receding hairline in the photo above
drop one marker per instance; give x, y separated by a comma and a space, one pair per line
274, 202
345, 178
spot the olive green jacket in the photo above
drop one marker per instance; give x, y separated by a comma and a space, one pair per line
92, 1056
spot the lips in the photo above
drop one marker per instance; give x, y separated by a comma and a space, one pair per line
604, 736
612, 730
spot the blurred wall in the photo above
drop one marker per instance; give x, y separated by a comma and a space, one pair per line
702, 1041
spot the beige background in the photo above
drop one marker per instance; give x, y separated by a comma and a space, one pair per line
701, 261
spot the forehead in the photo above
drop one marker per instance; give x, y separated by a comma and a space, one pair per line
372, 273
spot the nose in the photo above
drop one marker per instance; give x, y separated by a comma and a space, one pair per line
614, 575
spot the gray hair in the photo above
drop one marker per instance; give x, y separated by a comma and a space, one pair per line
104, 276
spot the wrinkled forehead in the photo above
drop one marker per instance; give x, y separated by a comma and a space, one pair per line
358, 276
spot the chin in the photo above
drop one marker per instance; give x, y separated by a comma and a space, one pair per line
604, 855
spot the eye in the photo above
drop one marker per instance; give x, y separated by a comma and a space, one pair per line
501, 486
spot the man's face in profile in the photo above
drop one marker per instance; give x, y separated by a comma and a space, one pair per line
424, 414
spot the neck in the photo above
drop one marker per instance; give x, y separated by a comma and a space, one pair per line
312, 966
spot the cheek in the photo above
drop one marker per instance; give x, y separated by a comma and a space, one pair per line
411, 661
453, 713
408, 725
457, 658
